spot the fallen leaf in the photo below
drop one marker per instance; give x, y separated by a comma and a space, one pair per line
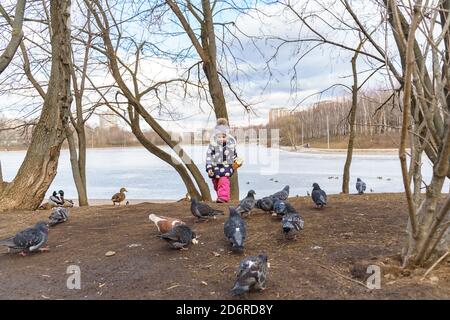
216, 254
174, 286
110, 253
134, 245
204, 283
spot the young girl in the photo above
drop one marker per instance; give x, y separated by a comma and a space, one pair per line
220, 158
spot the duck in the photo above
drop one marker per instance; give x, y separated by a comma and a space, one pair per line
119, 197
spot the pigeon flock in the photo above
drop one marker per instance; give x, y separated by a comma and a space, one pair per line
252, 271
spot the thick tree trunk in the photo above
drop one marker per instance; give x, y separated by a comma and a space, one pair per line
38, 169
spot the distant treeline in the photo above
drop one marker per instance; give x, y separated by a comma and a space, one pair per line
18, 136
377, 114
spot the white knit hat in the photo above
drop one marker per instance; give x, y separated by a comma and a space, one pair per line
222, 126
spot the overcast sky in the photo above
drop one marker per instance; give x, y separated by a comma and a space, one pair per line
319, 69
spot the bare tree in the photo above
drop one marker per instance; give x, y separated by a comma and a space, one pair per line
78, 121
290, 127
38, 169
422, 40
351, 122
134, 95
206, 47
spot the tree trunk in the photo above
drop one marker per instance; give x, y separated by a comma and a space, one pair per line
38, 169
351, 139
175, 146
76, 170
81, 133
207, 51
1, 176
78, 158
179, 167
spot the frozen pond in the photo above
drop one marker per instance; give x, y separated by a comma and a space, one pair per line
146, 177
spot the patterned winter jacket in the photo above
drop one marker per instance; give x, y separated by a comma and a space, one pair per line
220, 158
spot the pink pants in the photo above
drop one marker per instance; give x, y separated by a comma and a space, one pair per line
222, 187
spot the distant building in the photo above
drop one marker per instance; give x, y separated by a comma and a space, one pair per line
277, 113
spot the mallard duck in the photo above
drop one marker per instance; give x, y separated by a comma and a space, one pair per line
55, 200
119, 197
186, 198
66, 203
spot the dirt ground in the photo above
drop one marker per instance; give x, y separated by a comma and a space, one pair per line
335, 248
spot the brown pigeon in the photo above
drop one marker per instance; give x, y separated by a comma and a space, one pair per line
164, 224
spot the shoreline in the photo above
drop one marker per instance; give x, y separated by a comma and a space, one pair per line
340, 151
133, 202
299, 149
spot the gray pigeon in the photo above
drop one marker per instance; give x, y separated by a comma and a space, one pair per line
280, 207
283, 194
28, 240
202, 210
247, 204
235, 230
360, 186
292, 223
318, 196
58, 215
265, 204
251, 275
179, 237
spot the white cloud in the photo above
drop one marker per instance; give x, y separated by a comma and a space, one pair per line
318, 70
